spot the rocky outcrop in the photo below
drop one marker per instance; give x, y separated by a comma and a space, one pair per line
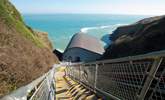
43, 36
23, 56
145, 36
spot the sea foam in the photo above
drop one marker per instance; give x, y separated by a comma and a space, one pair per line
87, 29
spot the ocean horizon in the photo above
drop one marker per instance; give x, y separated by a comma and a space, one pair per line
61, 27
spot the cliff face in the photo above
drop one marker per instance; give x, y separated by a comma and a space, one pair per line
145, 36
44, 37
23, 56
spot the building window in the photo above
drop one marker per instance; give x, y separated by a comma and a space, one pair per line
77, 59
70, 58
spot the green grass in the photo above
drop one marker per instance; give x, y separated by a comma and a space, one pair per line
14, 20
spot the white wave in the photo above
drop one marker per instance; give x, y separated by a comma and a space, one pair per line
102, 27
86, 29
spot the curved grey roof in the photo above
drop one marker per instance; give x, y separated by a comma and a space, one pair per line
85, 41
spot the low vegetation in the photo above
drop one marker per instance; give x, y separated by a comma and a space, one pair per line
23, 55
12, 18
144, 36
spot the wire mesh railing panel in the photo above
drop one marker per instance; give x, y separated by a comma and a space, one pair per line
45, 90
71, 71
40, 89
42, 92
157, 88
129, 78
67, 71
76, 72
88, 74
123, 80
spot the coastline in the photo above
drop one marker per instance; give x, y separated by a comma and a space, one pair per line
59, 25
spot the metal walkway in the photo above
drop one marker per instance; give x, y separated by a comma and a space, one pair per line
67, 89
131, 78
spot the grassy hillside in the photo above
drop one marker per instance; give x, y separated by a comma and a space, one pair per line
23, 55
12, 18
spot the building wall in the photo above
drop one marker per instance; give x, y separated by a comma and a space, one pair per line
85, 55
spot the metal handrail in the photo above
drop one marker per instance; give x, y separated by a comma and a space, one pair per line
139, 71
47, 79
23, 92
152, 55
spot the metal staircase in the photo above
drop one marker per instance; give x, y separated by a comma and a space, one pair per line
139, 77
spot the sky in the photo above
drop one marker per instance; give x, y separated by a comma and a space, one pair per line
132, 7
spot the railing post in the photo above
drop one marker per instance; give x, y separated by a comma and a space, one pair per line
53, 92
73, 70
68, 72
48, 83
96, 72
150, 77
79, 73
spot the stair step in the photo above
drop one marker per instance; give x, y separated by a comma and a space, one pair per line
61, 91
91, 97
67, 89
79, 94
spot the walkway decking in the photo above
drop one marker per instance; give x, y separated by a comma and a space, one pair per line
67, 89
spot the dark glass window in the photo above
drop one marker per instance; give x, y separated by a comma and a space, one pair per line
69, 58
77, 59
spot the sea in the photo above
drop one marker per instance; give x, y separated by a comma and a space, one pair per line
61, 27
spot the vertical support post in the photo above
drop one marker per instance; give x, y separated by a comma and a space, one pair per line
48, 86
79, 73
150, 77
54, 83
69, 71
48, 82
73, 70
66, 71
96, 73
35, 87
